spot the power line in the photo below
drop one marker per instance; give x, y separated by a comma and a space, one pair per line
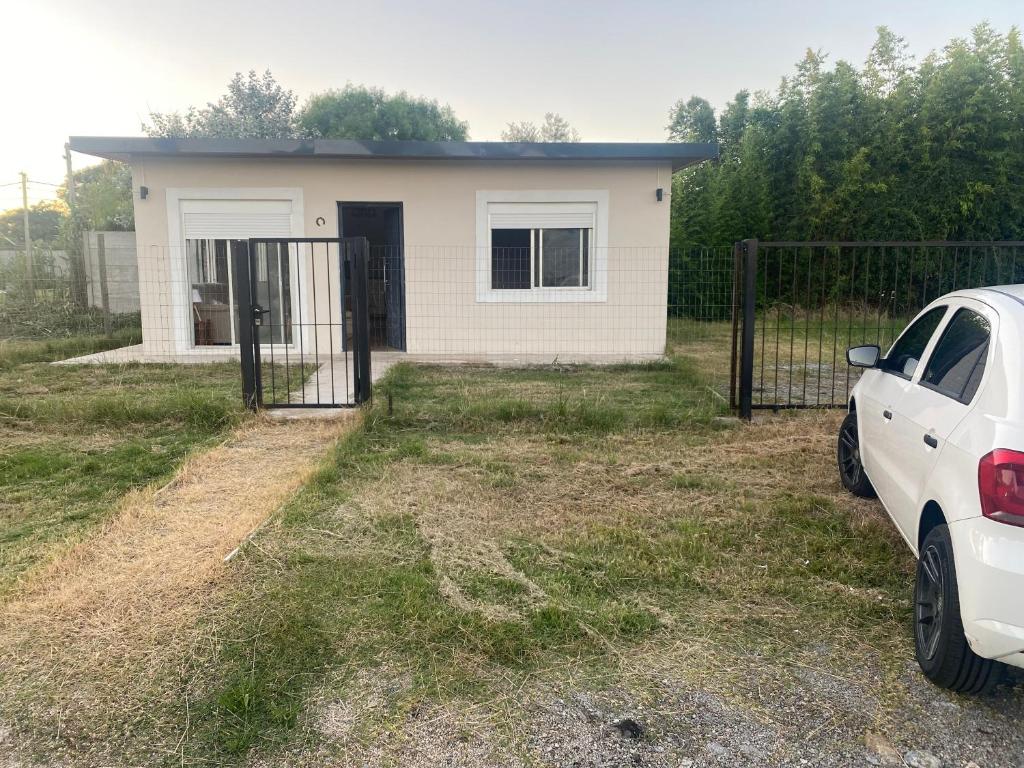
31, 181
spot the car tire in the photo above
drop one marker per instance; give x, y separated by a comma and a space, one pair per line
851, 470
942, 650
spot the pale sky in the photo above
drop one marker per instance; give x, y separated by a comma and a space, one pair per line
613, 69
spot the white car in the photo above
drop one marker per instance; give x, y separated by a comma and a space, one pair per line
936, 430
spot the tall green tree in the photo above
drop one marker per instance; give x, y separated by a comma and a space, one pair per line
891, 150
103, 196
555, 128
254, 107
358, 112
45, 220
693, 120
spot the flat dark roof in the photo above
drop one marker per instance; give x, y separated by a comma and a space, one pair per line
126, 147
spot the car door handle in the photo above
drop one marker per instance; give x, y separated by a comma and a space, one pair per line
931, 442
887, 415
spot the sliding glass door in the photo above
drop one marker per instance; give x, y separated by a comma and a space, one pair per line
214, 305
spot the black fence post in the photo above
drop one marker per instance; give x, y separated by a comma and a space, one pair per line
252, 395
737, 279
749, 317
360, 251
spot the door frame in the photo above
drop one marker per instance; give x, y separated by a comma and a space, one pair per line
183, 340
400, 206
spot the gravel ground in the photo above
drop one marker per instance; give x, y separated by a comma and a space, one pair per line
823, 722
777, 716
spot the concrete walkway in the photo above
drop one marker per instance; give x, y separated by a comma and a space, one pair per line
135, 353
331, 384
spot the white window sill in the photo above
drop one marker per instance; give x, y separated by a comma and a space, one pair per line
539, 295
598, 290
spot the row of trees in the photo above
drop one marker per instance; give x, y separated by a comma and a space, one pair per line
892, 150
258, 107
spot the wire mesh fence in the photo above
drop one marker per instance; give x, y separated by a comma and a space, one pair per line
55, 306
670, 312
664, 313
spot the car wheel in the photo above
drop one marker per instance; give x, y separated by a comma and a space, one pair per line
941, 647
851, 470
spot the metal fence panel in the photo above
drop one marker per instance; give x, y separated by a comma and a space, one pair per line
807, 302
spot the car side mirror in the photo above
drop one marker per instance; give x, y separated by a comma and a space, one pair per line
864, 357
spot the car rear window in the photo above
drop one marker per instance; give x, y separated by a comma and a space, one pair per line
956, 366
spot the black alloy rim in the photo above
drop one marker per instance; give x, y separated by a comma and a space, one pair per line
928, 606
849, 454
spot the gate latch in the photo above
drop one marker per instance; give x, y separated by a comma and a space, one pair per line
257, 314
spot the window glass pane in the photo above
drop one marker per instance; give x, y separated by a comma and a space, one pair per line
956, 365
561, 256
536, 258
907, 351
210, 288
273, 292
510, 258
586, 257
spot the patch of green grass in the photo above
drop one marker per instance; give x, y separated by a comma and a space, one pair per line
18, 351
692, 481
86, 396
75, 439
342, 609
585, 400
491, 587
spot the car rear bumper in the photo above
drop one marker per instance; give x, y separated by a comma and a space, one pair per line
990, 574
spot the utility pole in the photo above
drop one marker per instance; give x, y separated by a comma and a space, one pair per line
71, 175
29, 283
73, 239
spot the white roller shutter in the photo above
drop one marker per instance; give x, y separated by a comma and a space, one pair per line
542, 215
233, 219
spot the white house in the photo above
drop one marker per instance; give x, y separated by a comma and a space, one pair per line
483, 248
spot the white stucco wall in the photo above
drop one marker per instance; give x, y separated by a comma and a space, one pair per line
443, 314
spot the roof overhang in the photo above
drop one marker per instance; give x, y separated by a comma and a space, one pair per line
126, 148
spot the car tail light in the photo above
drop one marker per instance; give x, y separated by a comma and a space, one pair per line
1001, 484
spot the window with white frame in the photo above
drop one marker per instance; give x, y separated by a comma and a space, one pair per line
540, 245
211, 229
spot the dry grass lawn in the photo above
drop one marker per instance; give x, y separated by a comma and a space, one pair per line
494, 574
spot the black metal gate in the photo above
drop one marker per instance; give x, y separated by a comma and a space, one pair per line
801, 304
303, 321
